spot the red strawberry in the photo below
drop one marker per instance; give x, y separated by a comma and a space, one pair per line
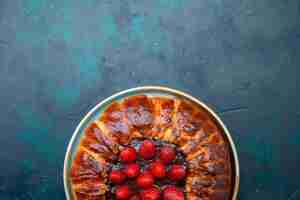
150, 194
135, 197
158, 169
117, 176
145, 180
172, 193
132, 170
123, 192
147, 149
128, 155
167, 154
177, 173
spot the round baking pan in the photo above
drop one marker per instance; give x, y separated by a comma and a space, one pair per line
94, 113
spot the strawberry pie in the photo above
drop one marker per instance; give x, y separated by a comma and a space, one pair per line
152, 148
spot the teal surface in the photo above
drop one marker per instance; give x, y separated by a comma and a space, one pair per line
59, 58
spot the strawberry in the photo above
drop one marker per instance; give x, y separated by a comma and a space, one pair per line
123, 192
132, 170
150, 194
147, 150
158, 169
117, 176
145, 180
177, 173
128, 155
167, 154
172, 193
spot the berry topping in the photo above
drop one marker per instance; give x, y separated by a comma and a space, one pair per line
177, 173
150, 194
147, 150
145, 180
158, 169
139, 176
117, 177
167, 154
132, 170
128, 155
123, 192
172, 193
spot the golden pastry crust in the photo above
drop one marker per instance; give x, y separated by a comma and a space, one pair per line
176, 121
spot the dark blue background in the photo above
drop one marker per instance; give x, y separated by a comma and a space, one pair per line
59, 58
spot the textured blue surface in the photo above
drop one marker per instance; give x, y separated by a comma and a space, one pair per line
58, 58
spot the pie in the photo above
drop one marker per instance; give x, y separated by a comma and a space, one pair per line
149, 148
